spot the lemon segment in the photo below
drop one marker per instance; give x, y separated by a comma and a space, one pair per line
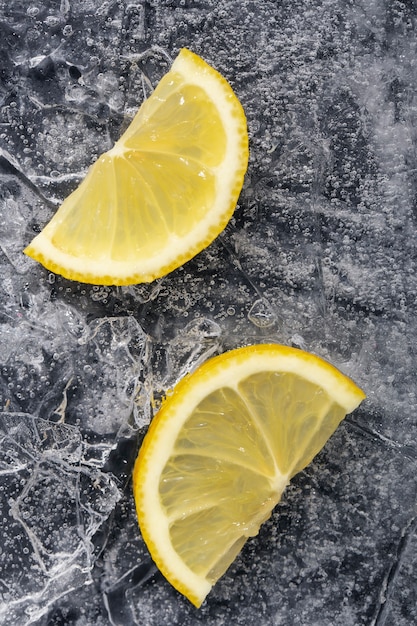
221, 451
164, 191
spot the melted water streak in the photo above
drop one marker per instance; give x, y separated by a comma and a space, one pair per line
9, 166
116, 597
407, 451
392, 580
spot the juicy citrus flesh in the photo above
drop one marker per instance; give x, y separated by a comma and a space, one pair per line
221, 451
165, 190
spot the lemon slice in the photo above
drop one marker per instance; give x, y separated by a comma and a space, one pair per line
222, 449
165, 190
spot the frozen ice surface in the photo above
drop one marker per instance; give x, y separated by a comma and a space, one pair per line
320, 254
57, 364
52, 505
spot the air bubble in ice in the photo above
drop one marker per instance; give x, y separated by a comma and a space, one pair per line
32, 11
261, 315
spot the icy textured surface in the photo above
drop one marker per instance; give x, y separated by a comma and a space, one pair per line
52, 505
320, 254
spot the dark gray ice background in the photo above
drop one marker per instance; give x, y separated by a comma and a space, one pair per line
321, 254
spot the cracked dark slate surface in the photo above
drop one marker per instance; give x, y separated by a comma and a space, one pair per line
321, 254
